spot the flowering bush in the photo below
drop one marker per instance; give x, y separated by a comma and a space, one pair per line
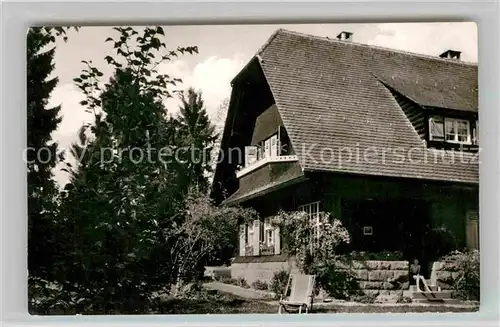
314, 244
278, 282
311, 242
466, 285
265, 249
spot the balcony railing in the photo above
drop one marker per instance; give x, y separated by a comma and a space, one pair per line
264, 161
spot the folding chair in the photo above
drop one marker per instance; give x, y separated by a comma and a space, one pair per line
301, 289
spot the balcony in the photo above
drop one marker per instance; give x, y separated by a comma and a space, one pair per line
259, 163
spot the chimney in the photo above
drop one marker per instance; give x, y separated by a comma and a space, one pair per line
451, 54
344, 36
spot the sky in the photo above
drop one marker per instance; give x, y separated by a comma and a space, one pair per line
223, 51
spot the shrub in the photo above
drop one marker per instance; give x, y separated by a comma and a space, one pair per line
338, 283
363, 298
225, 280
404, 299
260, 285
316, 253
439, 242
380, 256
466, 285
241, 282
278, 282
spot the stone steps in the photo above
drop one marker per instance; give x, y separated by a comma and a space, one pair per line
432, 295
435, 296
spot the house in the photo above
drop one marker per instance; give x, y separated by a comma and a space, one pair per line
384, 140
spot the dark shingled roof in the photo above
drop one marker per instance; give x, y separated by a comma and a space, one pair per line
266, 179
331, 95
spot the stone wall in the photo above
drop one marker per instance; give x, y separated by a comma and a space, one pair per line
263, 271
380, 276
443, 274
373, 276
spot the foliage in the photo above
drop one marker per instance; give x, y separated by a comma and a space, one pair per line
379, 256
241, 282
198, 134
206, 232
466, 286
439, 242
260, 285
278, 283
315, 250
311, 248
42, 153
338, 282
404, 299
366, 298
124, 205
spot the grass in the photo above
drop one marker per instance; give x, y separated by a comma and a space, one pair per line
214, 302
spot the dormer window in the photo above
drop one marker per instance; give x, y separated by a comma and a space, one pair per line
457, 131
451, 130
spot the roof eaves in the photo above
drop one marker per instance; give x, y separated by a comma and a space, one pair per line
436, 179
263, 191
248, 64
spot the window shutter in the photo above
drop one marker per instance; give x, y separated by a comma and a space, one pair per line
274, 146
256, 234
436, 128
277, 243
475, 131
250, 155
267, 148
472, 230
243, 232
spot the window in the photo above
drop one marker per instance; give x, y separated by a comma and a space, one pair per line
367, 230
268, 235
313, 211
274, 146
250, 234
268, 148
449, 129
457, 130
436, 128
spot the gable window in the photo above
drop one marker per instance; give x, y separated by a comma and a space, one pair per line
451, 130
268, 148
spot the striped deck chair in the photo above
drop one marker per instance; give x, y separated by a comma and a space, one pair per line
301, 289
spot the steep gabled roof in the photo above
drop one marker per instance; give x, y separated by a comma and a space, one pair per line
332, 100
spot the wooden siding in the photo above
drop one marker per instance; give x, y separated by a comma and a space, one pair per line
414, 113
266, 125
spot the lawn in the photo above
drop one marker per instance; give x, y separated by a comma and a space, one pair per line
214, 302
